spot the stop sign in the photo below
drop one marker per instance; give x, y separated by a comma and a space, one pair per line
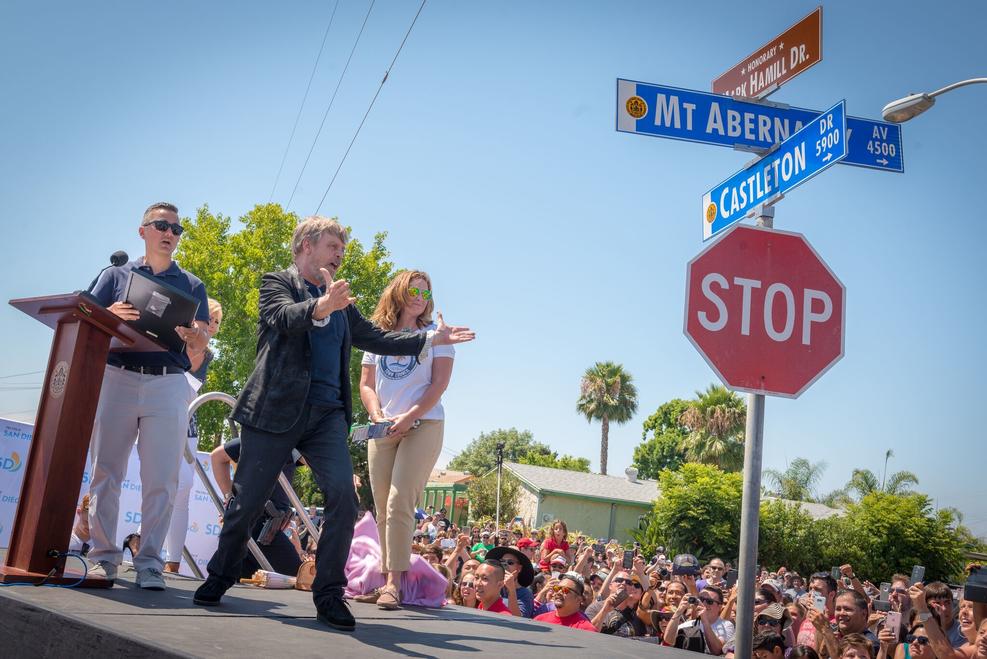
765, 311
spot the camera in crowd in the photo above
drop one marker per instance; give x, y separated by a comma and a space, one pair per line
975, 589
685, 564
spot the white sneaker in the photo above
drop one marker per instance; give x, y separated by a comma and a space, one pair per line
103, 570
150, 579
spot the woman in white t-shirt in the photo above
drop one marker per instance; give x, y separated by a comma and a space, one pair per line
407, 393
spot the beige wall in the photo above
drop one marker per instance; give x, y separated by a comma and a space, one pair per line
528, 508
592, 517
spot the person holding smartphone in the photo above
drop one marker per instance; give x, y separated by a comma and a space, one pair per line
406, 392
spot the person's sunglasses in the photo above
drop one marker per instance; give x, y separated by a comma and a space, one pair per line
760, 600
708, 601
917, 640
629, 582
661, 589
424, 292
468, 584
163, 226
769, 622
565, 590
508, 562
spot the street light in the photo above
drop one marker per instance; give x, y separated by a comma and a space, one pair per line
915, 104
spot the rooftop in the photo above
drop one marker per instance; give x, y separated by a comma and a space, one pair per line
577, 483
448, 477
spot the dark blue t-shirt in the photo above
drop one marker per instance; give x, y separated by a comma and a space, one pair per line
112, 286
327, 358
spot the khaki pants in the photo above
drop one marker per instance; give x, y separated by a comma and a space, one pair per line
399, 470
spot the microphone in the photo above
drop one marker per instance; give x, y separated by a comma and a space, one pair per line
117, 258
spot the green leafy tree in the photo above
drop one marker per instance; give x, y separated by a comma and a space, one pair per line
799, 480
864, 482
788, 536
554, 461
698, 512
482, 493
715, 421
664, 449
886, 533
606, 394
480, 456
231, 264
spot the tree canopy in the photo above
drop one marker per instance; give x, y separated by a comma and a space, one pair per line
480, 456
664, 449
606, 394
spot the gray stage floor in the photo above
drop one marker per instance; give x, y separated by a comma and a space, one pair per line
59, 622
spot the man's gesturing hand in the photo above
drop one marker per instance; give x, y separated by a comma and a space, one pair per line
336, 297
449, 334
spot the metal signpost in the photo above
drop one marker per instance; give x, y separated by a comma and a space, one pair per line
818, 145
694, 116
790, 53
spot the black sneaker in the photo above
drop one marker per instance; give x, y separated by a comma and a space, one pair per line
336, 613
211, 592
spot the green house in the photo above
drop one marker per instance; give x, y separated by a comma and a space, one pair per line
599, 506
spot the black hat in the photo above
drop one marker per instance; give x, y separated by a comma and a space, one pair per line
527, 574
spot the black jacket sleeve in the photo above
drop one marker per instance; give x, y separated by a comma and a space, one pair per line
280, 310
369, 337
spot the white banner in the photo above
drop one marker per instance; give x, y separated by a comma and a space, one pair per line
203, 527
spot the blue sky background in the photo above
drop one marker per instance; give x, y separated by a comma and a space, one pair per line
492, 161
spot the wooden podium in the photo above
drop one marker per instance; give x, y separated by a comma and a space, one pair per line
85, 334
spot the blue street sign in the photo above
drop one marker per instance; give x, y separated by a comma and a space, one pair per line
684, 114
818, 145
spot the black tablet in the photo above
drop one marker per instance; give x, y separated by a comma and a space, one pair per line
162, 308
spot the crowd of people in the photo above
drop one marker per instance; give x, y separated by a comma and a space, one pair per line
598, 585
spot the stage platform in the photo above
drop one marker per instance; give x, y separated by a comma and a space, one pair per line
251, 622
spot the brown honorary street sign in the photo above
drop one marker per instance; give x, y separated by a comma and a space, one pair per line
776, 62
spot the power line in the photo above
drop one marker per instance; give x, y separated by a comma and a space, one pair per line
19, 375
302, 106
329, 107
372, 101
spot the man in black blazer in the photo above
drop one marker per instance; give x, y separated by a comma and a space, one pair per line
298, 396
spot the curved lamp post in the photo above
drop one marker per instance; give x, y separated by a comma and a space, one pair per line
915, 104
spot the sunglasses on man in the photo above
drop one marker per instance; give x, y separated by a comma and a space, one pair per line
629, 582
565, 590
163, 226
708, 601
769, 622
424, 292
917, 640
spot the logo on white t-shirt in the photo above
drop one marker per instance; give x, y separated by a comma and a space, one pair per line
397, 368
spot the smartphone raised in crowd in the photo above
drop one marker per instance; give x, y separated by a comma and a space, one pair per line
731, 578
447, 543
628, 561
892, 622
918, 574
819, 602
620, 596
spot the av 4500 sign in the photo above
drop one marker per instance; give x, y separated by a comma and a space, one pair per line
765, 311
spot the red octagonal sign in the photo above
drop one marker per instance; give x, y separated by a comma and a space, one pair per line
765, 311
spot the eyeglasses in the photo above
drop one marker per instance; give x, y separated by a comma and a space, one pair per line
506, 562
917, 640
565, 590
708, 601
716, 568
468, 584
629, 582
424, 292
163, 226
769, 622
760, 600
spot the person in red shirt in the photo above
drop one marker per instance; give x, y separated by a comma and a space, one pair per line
489, 579
558, 539
567, 596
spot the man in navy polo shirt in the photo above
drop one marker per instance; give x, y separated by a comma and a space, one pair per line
144, 395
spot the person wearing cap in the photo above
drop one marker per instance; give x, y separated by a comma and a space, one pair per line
567, 596
480, 549
774, 620
518, 575
528, 547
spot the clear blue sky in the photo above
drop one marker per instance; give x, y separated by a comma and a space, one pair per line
492, 161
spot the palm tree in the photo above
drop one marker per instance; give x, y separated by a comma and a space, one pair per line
864, 482
606, 394
798, 481
715, 421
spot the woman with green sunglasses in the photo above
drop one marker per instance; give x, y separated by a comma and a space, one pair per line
406, 393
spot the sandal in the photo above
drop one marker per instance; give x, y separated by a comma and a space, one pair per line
133, 543
388, 600
369, 598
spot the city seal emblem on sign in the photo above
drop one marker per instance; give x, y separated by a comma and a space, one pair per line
637, 107
59, 377
711, 213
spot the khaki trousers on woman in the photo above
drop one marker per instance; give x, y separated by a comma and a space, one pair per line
399, 470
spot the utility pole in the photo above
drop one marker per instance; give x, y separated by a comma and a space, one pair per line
500, 471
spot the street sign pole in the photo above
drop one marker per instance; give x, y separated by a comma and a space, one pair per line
750, 511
